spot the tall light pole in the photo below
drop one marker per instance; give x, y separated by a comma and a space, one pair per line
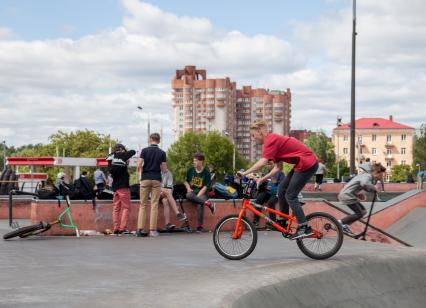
352, 146
4, 155
338, 123
148, 125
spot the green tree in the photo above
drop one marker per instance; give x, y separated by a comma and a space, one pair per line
81, 143
323, 148
400, 173
217, 149
419, 150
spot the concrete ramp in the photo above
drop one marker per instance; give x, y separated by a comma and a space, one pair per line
387, 281
411, 228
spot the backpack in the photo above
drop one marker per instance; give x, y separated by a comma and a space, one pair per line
226, 192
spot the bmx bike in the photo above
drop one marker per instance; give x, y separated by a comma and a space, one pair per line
44, 226
235, 237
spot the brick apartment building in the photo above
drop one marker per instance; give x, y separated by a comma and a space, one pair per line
202, 104
382, 140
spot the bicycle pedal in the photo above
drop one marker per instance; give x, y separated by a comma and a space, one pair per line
286, 235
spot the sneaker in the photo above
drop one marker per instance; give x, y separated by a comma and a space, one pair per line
126, 232
302, 231
170, 227
200, 229
347, 230
256, 223
116, 232
268, 226
181, 216
211, 206
141, 233
153, 233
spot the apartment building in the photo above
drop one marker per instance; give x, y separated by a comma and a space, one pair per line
202, 104
382, 140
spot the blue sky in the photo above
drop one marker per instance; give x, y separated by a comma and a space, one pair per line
74, 64
49, 19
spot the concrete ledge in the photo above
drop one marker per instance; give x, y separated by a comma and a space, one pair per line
379, 281
389, 187
21, 207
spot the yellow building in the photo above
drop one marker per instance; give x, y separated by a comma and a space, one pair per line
382, 140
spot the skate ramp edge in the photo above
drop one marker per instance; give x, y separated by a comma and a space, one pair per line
381, 281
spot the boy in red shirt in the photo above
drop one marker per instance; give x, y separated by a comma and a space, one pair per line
290, 150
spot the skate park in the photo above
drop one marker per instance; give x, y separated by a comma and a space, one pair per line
107, 270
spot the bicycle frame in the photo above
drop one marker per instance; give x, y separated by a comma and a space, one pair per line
67, 213
247, 205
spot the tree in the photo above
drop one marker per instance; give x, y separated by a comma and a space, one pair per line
323, 148
217, 149
81, 143
419, 149
400, 173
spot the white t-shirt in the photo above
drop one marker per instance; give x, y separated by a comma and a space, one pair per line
321, 169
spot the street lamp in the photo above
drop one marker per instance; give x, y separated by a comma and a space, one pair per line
4, 155
352, 131
226, 133
149, 122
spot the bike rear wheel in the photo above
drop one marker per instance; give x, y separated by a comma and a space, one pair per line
27, 231
330, 240
226, 245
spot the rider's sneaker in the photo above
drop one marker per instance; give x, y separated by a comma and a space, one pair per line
181, 216
200, 229
116, 232
268, 226
211, 206
301, 232
347, 230
125, 232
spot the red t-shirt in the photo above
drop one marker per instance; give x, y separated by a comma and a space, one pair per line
290, 150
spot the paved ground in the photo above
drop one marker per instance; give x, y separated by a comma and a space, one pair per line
179, 270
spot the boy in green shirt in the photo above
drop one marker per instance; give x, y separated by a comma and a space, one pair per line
197, 182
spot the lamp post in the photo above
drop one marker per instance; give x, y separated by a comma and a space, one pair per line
226, 133
338, 123
4, 155
149, 123
352, 145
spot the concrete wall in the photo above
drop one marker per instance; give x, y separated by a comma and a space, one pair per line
21, 208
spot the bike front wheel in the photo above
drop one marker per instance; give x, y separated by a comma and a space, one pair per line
230, 247
327, 238
27, 231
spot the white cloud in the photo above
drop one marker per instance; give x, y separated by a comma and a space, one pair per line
98, 80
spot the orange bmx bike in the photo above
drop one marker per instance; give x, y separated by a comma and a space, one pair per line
235, 237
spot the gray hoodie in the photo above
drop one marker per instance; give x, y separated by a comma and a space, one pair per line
349, 193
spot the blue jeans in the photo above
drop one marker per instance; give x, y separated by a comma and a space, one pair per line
289, 189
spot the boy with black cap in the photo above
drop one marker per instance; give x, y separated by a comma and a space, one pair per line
117, 164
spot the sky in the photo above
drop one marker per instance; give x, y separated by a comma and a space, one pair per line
75, 64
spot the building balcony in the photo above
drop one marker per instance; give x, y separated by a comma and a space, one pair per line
278, 119
220, 104
388, 156
389, 144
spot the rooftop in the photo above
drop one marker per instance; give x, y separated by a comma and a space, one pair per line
375, 123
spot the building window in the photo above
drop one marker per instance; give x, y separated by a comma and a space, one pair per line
403, 137
403, 150
388, 151
345, 138
345, 150
373, 137
388, 138
389, 163
374, 150
403, 162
